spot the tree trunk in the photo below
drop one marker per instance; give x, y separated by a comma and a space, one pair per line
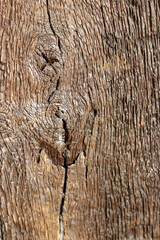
79, 119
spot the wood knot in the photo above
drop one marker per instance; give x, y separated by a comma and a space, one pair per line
47, 59
65, 140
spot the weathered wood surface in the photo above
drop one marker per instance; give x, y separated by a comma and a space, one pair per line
79, 118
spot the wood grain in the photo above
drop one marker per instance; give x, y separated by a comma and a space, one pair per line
79, 119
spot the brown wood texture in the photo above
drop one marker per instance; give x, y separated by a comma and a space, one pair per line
79, 119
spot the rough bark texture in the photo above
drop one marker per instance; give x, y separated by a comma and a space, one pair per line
79, 119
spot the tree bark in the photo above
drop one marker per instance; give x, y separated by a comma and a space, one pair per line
79, 119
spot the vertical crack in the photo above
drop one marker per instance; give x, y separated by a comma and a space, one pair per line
57, 85
86, 174
1, 230
49, 18
39, 155
61, 222
66, 131
59, 44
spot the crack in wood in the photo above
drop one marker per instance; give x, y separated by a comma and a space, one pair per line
39, 157
66, 130
49, 18
67, 139
61, 222
1, 231
49, 62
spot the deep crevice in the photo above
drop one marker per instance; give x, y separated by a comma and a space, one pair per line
43, 67
51, 95
66, 131
64, 188
86, 172
95, 112
59, 44
49, 18
39, 156
86, 175
61, 222
45, 57
57, 85
84, 147
74, 160
1, 231
50, 61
